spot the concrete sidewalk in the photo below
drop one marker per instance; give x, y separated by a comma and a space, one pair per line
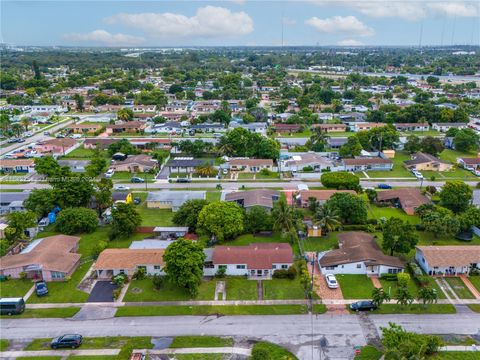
460, 348
211, 350
15, 354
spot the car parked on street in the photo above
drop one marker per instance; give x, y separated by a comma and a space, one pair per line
384, 186
41, 288
121, 188
331, 280
363, 306
183, 180
137, 180
67, 341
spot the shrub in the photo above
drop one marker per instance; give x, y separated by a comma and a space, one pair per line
158, 281
98, 248
478, 185
340, 180
76, 220
23, 275
372, 221
140, 274
265, 172
280, 274
431, 189
432, 178
389, 277
403, 279
116, 293
307, 169
220, 273
358, 227
292, 272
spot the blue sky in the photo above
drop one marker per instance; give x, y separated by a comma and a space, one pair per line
239, 22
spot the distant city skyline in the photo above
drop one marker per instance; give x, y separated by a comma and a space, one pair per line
240, 23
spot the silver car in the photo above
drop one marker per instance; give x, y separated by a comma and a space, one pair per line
331, 281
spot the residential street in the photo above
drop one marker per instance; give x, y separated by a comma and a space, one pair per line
334, 336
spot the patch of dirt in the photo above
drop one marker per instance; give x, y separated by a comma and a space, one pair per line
136, 290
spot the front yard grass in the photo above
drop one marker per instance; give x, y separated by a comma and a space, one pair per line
4, 344
355, 286
369, 352
45, 313
201, 341
109, 342
415, 309
475, 280
143, 290
239, 288
275, 351
475, 307
205, 310
459, 287
212, 196
391, 287
15, 287
283, 289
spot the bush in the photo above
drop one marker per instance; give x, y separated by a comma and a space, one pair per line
307, 169
340, 180
372, 221
98, 248
389, 277
158, 281
76, 220
116, 293
292, 272
265, 172
359, 227
140, 274
431, 189
220, 273
403, 279
478, 185
432, 178
280, 274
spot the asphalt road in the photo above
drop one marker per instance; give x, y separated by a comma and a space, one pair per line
333, 336
238, 185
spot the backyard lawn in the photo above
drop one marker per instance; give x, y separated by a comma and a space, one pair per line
155, 217
375, 212
247, 239
459, 287
15, 287
355, 286
82, 153
143, 290
283, 289
317, 244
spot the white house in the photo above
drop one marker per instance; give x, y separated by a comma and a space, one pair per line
444, 127
358, 253
257, 260
448, 260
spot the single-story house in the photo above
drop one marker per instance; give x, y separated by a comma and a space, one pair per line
51, 258
112, 262
328, 128
301, 161
469, 163
257, 260
444, 127
250, 165
172, 199
258, 197
256, 127
320, 195
136, 163
98, 142
367, 163
56, 146
84, 128
448, 260
412, 126
286, 128
208, 127
11, 166
130, 126
10, 201
426, 162
358, 253
365, 126
184, 165
75, 165
406, 198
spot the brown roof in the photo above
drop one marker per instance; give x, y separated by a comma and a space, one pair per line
409, 198
85, 126
138, 159
422, 158
322, 195
111, 259
367, 161
65, 142
471, 161
51, 253
453, 255
104, 143
357, 246
16, 162
262, 197
128, 125
286, 126
251, 162
329, 126
255, 256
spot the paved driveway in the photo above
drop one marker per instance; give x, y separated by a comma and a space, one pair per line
102, 292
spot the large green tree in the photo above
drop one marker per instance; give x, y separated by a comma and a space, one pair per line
187, 214
40, 201
350, 208
258, 219
184, 264
47, 165
103, 195
399, 236
125, 220
466, 140
76, 220
456, 196
351, 148
18, 222
223, 220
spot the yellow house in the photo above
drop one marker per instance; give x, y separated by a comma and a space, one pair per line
427, 162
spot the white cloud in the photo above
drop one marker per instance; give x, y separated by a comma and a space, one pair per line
340, 25
455, 8
105, 38
350, 42
209, 21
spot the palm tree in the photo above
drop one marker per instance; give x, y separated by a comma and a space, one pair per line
327, 218
25, 122
379, 296
17, 129
427, 295
5, 123
283, 217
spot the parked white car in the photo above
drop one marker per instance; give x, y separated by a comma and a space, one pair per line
331, 281
109, 173
121, 188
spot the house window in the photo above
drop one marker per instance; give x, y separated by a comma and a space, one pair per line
222, 267
284, 266
240, 266
57, 275
121, 271
394, 271
156, 267
274, 266
142, 267
330, 267
359, 266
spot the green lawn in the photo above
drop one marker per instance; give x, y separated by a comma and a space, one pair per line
392, 286
280, 289
247, 239
143, 290
475, 307
201, 341
459, 287
375, 212
355, 286
416, 309
245, 176
475, 280
109, 342
271, 176
427, 238
198, 357
212, 196
4, 344
323, 243
369, 352
82, 153
39, 358
155, 217
46, 313
215, 310
275, 351
398, 168
239, 288
452, 155
15, 287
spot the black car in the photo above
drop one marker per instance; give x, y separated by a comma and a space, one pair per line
363, 306
183, 180
137, 200
41, 288
67, 341
137, 180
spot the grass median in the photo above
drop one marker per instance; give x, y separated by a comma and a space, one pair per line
110, 342
45, 313
205, 310
414, 309
201, 341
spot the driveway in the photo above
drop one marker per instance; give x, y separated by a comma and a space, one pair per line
102, 292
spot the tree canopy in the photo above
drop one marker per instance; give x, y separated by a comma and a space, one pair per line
223, 220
